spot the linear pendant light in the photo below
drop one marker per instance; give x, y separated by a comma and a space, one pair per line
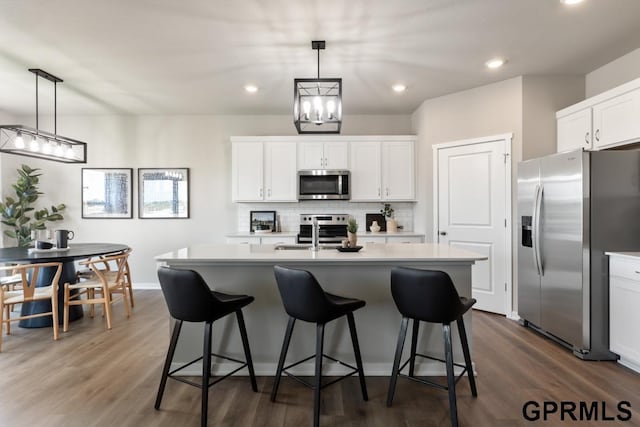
317, 103
25, 141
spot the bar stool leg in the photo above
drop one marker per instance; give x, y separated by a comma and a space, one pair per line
318, 378
414, 344
356, 352
396, 360
467, 357
451, 380
283, 356
206, 372
167, 363
247, 350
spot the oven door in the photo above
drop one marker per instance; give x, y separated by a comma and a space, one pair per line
323, 185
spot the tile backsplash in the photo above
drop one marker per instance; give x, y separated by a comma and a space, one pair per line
288, 214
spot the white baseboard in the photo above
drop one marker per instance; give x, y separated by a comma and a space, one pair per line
513, 316
146, 285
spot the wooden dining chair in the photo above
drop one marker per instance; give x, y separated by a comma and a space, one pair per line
99, 288
27, 292
107, 268
12, 280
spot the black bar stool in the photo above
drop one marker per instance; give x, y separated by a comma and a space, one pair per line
304, 299
189, 299
430, 296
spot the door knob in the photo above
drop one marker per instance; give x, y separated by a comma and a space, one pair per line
443, 233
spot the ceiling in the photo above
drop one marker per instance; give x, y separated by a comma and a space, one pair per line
196, 56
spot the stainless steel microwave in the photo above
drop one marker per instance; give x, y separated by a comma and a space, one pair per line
323, 185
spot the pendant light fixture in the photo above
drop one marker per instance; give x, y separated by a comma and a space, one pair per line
317, 103
26, 141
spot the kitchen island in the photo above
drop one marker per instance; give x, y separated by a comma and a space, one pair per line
248, 269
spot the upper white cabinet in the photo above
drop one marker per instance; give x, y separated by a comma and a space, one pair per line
323, 155
617, 121
574, 131
607, 120
263, 171
382, 170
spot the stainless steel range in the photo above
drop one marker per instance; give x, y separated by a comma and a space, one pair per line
332, 228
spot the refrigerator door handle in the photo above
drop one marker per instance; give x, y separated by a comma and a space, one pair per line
537, 209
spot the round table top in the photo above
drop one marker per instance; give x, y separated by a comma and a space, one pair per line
75, 251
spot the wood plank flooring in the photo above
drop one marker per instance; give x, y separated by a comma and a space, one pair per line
94, 377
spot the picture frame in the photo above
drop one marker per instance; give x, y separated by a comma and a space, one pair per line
163, 193
262, 221
107, 193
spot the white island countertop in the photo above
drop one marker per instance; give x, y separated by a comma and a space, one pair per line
634, 256
370, 253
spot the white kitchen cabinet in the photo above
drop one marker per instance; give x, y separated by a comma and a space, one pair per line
607, 120
263, 171
398, 171
406, 237
617, 120
269, 239
574, 131
382, 171
366, 174
624, 316
323, 155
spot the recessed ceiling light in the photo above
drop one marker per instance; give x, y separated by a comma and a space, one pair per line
495, 63
251, 88
399, 87
571, 2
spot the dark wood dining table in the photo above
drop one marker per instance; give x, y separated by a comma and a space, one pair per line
67, 257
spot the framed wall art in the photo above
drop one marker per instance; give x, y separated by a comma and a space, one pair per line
163, 193
107, 193
262, 221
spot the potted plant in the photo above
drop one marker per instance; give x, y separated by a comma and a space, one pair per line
352, 229
387, 211
16, 211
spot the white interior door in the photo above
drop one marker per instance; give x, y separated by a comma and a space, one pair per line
473, 212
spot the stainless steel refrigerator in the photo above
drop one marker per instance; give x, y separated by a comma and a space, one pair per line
572, 207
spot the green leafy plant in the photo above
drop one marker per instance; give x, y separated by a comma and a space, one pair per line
352, 225
387, 210
16, 211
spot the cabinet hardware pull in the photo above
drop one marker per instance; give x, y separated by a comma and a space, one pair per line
378, 191
597, 134
387, 191
637, 272
586, 138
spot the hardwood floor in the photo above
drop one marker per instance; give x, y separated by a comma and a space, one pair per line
95, 377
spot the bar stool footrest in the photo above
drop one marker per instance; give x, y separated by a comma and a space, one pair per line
198, 385
427, 382
311, 386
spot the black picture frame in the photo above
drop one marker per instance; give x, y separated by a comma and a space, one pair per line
107, 193
258, 219
163, 193
369, 218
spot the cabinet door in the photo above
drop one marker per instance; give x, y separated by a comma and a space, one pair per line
280, 172
398, 171
277, 240
247, 172
404, 239
617, 121
365, 171
310, 155
574, 131
336, 155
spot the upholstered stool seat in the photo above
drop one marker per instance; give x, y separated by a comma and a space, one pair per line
430, 296
189, 299
304, 299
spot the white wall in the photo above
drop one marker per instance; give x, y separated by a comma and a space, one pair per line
200, 143
542, 97
483, 111
615, 73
